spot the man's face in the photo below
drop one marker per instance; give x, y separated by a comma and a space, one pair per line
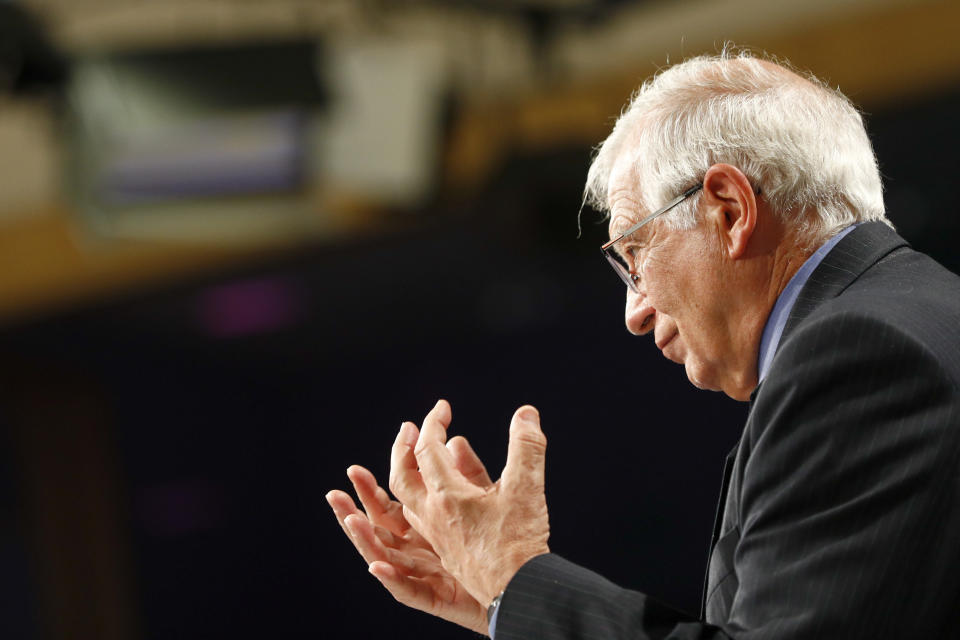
681, 296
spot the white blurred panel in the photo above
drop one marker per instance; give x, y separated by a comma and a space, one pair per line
381, 138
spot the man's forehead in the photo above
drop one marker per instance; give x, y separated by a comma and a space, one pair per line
623, 196
623, 176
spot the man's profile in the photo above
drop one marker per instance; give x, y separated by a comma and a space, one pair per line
747, 223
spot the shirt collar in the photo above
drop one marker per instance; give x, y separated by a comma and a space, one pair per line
781, 310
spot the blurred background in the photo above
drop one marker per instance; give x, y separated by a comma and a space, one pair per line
241, 240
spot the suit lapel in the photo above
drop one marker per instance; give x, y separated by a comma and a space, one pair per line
717, 525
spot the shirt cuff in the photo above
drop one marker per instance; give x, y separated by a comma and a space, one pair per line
493, 621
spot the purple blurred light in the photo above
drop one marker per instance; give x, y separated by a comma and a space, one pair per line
249, 307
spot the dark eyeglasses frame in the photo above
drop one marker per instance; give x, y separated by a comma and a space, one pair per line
629, 277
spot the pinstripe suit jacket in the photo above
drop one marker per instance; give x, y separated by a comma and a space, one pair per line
841, 503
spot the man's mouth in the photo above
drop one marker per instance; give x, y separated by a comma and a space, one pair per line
662, 344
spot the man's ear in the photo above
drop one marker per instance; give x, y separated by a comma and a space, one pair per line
731, 206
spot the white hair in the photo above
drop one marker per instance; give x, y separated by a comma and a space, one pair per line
800, 142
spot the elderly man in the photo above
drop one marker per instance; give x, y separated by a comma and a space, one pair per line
747, 221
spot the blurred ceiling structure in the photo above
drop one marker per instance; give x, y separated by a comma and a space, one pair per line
528, 43
202, 329
523, 76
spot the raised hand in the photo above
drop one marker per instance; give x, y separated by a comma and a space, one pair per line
399, 557
482, 532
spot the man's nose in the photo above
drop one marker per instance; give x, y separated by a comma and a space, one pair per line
639, 314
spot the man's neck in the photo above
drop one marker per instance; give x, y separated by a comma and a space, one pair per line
770, 272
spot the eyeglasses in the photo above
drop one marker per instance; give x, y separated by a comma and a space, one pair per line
626, 271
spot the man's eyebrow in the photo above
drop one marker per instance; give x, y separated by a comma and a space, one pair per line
617, 228
625, 207
623, 224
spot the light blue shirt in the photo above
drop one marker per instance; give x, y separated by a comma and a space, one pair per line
493, 622
781, 310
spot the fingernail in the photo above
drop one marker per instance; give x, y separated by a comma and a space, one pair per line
529, 414
329, 497
409, 434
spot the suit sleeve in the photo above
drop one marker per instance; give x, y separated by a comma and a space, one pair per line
846, 509
553, 598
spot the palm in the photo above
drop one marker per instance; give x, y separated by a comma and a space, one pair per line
434, 585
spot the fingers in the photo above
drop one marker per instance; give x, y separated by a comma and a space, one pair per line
377, 544
417, 562
467, 462
408, 569
343, 506
413, 593
418, 590
433, 595
526, 452
357, 527
365, 540
436, 462
372, 543
405, 480
380, 508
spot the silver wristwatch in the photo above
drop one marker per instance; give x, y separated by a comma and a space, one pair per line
492, 609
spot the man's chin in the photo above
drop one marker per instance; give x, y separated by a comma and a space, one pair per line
696, 379
676, 351
698, 384
741, 393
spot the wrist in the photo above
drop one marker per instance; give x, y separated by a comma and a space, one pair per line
495, 587
512, 563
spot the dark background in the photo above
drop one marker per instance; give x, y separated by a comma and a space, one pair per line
165, 448
226, 446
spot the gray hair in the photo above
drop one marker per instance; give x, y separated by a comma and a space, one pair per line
801, 142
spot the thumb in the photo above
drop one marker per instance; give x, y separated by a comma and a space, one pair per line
526, 452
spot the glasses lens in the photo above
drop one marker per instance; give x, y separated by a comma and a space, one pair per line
618, 264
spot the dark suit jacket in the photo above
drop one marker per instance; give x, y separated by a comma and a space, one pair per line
841, 513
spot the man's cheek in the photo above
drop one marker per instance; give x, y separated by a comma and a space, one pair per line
659, 297
656, 277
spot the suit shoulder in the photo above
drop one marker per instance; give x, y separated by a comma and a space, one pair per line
849, 363
905, 310
839, 340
